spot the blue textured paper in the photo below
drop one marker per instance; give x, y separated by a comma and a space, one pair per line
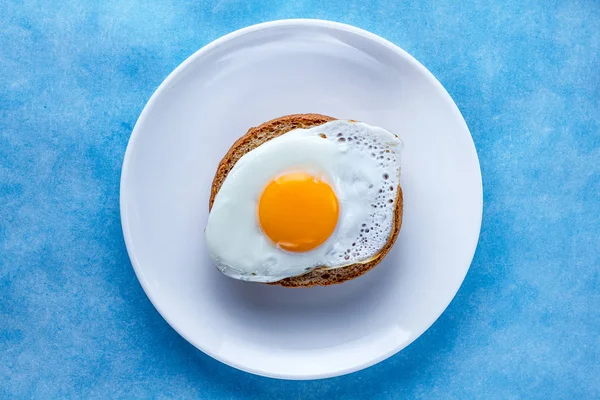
75, 323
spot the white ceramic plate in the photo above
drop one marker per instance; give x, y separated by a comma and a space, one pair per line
266, 71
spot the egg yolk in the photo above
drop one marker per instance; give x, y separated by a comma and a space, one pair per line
298, 211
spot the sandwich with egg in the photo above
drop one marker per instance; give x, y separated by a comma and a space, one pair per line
305, 200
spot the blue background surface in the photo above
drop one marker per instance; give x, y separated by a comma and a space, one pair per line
75, 75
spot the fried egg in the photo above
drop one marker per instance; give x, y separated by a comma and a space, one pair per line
322, 197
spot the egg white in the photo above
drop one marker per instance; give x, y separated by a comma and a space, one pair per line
359, 161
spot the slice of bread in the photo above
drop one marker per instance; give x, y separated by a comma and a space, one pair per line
267, 131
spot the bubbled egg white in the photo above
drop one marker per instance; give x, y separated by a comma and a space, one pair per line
362, 165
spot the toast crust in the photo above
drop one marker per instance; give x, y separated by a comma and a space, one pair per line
272, 129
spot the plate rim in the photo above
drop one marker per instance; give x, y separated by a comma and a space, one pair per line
127, 160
